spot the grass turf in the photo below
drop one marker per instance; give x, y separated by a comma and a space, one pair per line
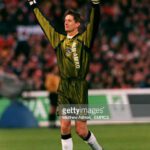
112, 137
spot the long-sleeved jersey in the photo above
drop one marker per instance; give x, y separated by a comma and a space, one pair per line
72, 54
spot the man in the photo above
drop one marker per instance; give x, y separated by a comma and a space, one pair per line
51, 84
73, 53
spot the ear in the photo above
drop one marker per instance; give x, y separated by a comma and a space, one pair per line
78, 24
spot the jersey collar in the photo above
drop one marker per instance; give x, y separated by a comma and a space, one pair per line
71, 37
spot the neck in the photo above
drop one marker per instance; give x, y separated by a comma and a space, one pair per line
73, 33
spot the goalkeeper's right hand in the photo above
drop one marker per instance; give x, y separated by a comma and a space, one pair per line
32, 2
95, 2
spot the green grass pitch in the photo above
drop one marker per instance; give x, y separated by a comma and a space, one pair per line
112, 137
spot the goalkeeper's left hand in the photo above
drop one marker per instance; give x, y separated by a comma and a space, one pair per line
32, 2
95, 2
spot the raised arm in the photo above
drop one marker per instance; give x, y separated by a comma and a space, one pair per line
92, 27
53, 36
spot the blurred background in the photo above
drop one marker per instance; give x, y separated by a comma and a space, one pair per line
120, 54
119, 73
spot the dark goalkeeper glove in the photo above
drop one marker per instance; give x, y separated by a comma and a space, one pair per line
32, 2
95, 2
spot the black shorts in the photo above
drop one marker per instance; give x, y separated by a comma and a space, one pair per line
53, 97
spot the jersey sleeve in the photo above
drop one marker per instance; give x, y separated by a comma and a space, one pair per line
92, 27
53, 36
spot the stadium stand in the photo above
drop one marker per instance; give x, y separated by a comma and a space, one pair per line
120, 54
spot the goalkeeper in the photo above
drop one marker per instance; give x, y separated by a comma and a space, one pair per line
73, 54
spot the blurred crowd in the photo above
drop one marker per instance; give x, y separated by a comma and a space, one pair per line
120, 54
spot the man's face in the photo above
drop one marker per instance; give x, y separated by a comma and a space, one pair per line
70, 24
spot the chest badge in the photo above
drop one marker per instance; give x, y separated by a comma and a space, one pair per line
68, 52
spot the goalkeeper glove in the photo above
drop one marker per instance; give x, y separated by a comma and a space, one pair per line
95, 1
32, 2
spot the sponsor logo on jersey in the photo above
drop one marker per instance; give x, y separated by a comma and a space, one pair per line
75, 55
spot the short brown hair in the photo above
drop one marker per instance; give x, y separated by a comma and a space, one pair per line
73, 13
